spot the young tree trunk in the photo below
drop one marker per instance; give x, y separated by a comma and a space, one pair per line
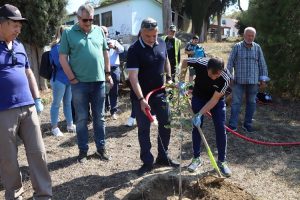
34, 55
167, 15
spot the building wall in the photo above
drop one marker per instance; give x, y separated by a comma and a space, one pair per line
142, 9
127, 17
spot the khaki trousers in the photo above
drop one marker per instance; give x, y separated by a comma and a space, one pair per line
23, 122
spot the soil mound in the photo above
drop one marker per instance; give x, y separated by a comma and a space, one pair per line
165, 187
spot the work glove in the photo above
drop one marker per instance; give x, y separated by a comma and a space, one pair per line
197, 120
38, 105
181, 87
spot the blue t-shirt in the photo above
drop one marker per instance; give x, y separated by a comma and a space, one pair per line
150, 63
54, 59
14, 86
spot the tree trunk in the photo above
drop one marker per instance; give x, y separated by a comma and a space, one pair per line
219, 34
203, 35
34, 55
176, 19
167, 15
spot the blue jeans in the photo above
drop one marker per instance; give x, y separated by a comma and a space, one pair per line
61, 92
237, 98
219, 117
160, 107
112, 97
83, 94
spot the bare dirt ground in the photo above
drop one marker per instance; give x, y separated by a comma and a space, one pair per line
259, 172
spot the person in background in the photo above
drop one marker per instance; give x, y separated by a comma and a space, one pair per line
194, 50
173, 48
114, 49
18, 115
84, 57
61, 88
147, 62
250, 69
211, 83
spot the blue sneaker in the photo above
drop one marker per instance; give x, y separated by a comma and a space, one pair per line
225, 171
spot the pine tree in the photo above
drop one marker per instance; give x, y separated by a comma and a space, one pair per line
43, 16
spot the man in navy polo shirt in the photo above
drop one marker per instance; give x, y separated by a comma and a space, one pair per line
18, 115
147, 62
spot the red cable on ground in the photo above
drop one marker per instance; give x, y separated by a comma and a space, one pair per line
151, 119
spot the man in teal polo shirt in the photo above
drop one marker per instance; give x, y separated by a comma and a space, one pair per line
85, 61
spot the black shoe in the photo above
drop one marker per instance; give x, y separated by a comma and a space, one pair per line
248, 129
144, 169
82, 157
103, 155
166, 162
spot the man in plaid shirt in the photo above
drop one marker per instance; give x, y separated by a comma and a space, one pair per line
250, 72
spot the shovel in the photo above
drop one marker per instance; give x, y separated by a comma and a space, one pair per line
213, 162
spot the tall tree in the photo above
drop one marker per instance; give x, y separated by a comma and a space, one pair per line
44, 16
177, 7
167, 15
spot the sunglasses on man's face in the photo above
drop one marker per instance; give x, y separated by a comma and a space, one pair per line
149, 25
87, 20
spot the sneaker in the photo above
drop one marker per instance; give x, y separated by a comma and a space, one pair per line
232, 128
114, 116
195, 164
166, 162
224, 169
71, 128
103, 155
131, 122
248, 129
57, 132
144, 169
155, 122
82, 157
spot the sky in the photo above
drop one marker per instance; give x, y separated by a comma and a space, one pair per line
73, 5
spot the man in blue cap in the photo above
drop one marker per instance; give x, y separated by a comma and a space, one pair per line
18, 115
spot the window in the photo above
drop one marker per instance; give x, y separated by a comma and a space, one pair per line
96, 20
223, 22
106, 19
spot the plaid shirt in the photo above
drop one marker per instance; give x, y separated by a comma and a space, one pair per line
248, 63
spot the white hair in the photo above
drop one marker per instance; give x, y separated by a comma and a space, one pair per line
87, 8
250, 29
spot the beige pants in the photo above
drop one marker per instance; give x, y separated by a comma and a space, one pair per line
23, 122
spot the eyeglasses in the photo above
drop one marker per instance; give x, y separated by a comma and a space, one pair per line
87, 20
149, 25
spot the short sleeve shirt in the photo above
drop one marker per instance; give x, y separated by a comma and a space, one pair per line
205, 87
150, 63
85, 51
14, 86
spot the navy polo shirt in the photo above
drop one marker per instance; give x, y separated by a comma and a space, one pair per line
14, 84
150, 63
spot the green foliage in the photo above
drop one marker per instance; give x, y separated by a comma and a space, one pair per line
278, 32
44, 16
181, 113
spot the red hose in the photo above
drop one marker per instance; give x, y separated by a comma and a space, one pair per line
151, 119
260, 142
148, 113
